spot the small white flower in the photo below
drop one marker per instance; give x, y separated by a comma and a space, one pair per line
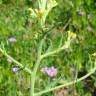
15, 69
12, 39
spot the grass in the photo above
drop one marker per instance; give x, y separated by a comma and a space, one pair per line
60, 34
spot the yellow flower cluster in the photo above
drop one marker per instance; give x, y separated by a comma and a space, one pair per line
39, 12
94, 54
71, 34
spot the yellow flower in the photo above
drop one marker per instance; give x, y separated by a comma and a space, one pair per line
32, 12
71, 34
94, 54
40, 12
30, 9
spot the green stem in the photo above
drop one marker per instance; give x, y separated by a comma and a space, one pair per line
67, 84
36, 66
15, 61
34, 75
65, 46
31, 90
40, 57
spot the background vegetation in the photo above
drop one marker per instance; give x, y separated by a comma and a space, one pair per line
27, 31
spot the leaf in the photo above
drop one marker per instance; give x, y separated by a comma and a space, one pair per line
50, 47
32, 13
53, 83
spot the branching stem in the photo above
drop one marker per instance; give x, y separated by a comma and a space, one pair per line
68, 84
15, 61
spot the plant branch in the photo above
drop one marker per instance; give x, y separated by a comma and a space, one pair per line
15, 61
69, 83
33, 77
65, 46
36, 66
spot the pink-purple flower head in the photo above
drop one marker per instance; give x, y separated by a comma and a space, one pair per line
12, 39
44, 70
51, 72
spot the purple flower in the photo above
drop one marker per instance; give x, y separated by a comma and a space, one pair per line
51, 72
43, 70
12, 39
15, 69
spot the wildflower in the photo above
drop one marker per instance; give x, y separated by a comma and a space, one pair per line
89, 28
51, 72
94, 54
30, 9
90, 16
71, 35
12, 39
39, 12
81, 12
15, 69
32, 13
43, 70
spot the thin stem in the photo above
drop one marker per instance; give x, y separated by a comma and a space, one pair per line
65, 46
67, 84
36, 66
68, 22
15, 61
34, 75
31, 90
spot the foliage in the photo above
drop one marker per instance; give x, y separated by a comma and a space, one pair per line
55, 35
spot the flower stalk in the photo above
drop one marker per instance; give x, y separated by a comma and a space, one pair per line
15, 61
67, 84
